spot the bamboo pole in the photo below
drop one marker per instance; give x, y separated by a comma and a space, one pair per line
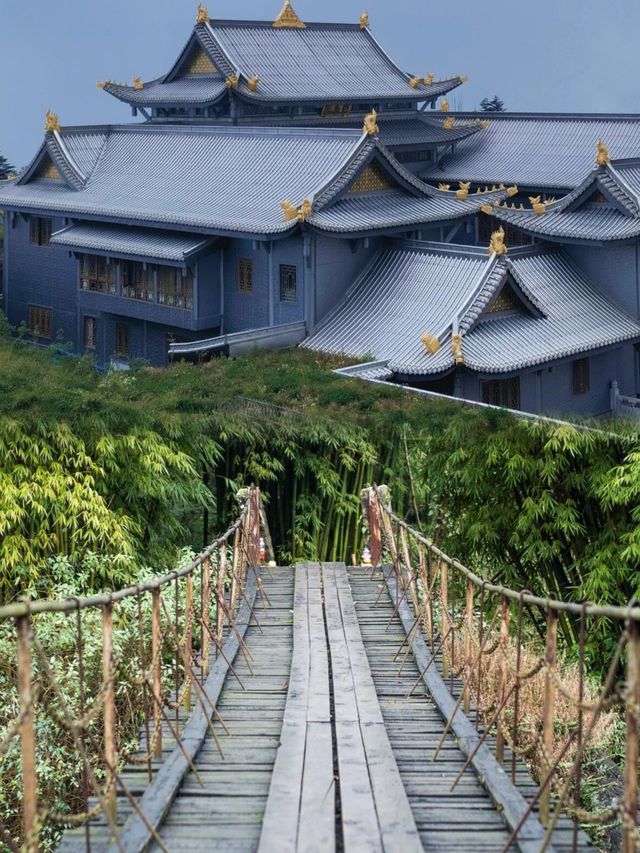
156, 672
222, 576
27, 732
632, 733
110, 747
206, 615
188, 636
548, 707
468, 650
504, 645
444, 615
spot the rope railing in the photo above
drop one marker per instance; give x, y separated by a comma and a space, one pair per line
175, 624
485, 639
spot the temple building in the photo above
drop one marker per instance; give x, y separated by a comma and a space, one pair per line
347, 210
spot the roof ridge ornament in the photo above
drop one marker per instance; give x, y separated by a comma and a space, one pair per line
52, 124
203, 15
430, 343
137, 83
414, 82
496, 244
537, 206
252, 83
428, 80
444, 105
448, 123
370, 126
292, 212
456, 347
232, 81
603, 158
364, 21
287, 18
463, 192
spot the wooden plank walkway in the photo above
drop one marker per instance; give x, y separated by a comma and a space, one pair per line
465, 820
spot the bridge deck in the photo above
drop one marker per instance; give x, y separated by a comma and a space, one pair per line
327, 751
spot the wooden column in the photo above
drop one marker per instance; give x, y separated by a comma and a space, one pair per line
156, 672
27, 731
188, 638
548, 707
504, 645
110, 747
632, 734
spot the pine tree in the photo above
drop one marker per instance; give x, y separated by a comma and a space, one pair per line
492, 105
5, 168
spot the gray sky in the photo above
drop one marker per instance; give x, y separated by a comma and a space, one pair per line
543, 55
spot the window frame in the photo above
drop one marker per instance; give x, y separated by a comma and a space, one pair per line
33, 311
580, 376
286, 290
40, 230
122, 352
504, 393
89, 320
244, 275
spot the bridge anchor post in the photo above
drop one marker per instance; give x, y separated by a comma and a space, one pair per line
630, 822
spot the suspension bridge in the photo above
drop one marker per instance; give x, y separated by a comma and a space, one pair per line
379, 707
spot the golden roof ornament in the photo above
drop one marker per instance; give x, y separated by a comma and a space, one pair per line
511, 191
305, 210
203, 15
463, 192
444, 106
456, 347
485, 123
428, 80
287, 18
292, 212
448, 123
414, 82
487, 208
137, 83
443, 186
370, 126
51, 122
252, 83
101, 84
364, 20
232, 81
496, 244
602, 154
537, 206
430, 343
463, 78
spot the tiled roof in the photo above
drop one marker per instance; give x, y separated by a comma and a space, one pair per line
393, 209
417, 288
574, 217
196, 90
233, 180
537, 150
138, 242
323, 62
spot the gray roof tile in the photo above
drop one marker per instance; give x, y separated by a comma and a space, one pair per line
197, 90
139, 242
415, 288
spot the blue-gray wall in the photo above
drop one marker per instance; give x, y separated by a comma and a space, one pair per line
614, 269
338, 264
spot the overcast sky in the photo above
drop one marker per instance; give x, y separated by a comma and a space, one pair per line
542, 55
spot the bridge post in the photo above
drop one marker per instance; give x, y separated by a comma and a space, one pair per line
156, 673
504, 645
27, 732
444, 618
206, 615
629, 821
110, 747
468, 645
188, 638
548, 708
220, 579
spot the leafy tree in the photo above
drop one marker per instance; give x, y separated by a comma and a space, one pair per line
5, 168
492, 105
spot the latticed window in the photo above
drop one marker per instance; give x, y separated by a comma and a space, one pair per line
245, 275
136, 281
580, 376
372, 179
41, 227
288, 284
200, 63
40, 321
175, 290
502, 392
97, 274
122, 340
90, 332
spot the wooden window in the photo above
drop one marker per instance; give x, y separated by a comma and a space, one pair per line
502, 392
40, 321
97, 275
122, 340
41, 227
506, 300
175, 290
136, 281
580, 376
288, 284
90, 332
245, 275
